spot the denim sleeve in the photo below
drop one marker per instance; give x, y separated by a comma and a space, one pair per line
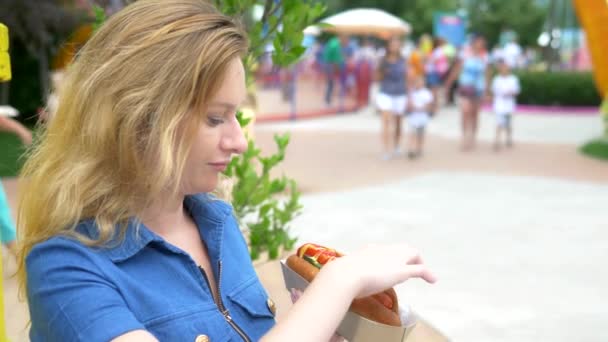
70, 297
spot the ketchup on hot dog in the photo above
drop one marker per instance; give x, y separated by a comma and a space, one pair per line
318, 256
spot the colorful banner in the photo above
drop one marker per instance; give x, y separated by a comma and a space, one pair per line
451, 27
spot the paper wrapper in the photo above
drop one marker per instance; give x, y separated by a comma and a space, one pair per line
355, 328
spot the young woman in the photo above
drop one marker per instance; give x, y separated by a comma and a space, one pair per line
392, 97
473, 84
121, 238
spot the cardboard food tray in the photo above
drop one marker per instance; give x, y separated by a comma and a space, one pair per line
353, 327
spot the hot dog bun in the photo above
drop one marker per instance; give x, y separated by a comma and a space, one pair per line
370, 307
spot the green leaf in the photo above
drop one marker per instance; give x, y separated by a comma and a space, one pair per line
231, 166
257, 197
289, 5
273, 250
296, 40
272, 21
282, 140
251, 151
255, 252
243, 121
100, 17
265, 209
278, 185
317, 10
297, 50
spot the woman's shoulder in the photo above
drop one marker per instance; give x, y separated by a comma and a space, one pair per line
63, 250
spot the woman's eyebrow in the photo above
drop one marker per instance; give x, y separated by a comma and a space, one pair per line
227, 105
222, 104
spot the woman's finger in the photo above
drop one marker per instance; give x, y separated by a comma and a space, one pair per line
420, 271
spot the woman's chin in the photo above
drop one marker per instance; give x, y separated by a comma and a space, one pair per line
203, 187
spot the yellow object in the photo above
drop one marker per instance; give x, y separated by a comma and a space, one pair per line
417, 63
5, 67
426, 44
271, 306
593, 16
3, 37
5, 59
3, 337
5, 75
202, 338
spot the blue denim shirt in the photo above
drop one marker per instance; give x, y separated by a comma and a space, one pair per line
79, 293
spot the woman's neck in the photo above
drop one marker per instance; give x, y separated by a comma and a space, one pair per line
165, 216
392, 56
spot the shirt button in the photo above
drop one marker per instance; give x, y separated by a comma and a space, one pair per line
271, 306
202, 338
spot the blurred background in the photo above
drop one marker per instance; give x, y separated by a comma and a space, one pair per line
517, 235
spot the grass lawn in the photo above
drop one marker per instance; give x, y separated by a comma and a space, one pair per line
11, 150
596, 148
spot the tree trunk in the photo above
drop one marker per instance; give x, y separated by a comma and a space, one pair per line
5, 89
43, 63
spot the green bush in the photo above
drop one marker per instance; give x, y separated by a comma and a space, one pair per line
11, 156
597, 148
563, 88
25, 92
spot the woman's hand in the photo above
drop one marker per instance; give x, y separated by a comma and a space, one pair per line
26, 137
377, 268
328, 297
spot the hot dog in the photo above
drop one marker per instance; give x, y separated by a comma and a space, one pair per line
381, 307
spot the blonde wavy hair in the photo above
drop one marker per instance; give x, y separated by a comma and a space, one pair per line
114, 144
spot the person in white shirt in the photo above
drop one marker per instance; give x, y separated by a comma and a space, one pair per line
420, 105
505, 88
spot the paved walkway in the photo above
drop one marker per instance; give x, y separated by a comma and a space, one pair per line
516, 257
530, 127
516, 237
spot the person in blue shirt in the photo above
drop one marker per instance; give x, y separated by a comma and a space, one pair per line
7, 226
473, 72
121, 237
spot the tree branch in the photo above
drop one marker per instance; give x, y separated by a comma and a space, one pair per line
267, 8
271, 30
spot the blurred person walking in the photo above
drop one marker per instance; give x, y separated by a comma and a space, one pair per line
505, 88
436, 67
3, 337
473, 73
7, 226
334, 62
391, 100
365, 59
418, 57
420, 100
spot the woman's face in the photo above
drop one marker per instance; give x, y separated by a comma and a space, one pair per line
394, 45
479, 44
219, 135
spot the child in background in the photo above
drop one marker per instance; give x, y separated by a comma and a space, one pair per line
7, 226
505, 88
421, 104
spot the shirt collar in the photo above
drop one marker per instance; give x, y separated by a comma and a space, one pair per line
208, 213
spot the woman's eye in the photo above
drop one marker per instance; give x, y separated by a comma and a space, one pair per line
214, 121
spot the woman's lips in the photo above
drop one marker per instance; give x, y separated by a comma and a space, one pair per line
219, 166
